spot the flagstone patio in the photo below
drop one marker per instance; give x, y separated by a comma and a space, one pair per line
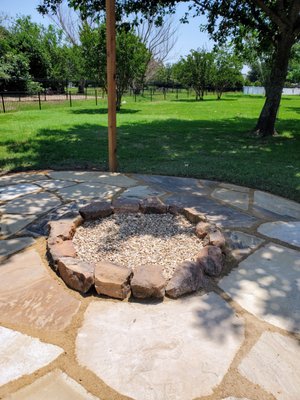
237, 340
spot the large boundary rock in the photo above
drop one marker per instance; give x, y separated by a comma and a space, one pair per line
77, 274
112, 280
148, 281
187, 278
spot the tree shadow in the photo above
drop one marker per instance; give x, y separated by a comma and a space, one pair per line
93, 111
214, 149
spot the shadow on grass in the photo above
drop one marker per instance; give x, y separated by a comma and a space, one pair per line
93, 111
217, 150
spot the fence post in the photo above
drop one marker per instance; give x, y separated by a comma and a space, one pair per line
3, 104
85, 93
39, 96
165, 94
151, 94
134, 97
45, 95
96, 97
70, 97
176, 93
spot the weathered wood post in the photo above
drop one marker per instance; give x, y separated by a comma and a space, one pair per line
111, 83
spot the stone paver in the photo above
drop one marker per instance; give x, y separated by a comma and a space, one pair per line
221, 215
277, 205
237, 188
35, 204
12, 192
274, 364
175, 350
267, 284
288, 232
54, 184
31, 297
22, 177
13, 223
173, 184
233, 197
21, 355
11, 246
113, 179
84, 192
241, 243
55, 385
140, 192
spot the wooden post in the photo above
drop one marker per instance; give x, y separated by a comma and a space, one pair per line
39, 97
3, 104
111, 83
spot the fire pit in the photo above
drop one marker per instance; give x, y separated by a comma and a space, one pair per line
143, 248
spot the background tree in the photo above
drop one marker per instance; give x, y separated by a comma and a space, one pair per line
226, 71
196, 71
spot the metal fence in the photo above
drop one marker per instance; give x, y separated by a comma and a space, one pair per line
16, 101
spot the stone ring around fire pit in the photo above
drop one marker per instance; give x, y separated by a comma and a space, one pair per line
146, 281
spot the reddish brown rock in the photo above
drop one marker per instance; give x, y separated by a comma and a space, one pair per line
60, 249
77, 274
153, 205
175, 209
64, 228
126, 205
112, 280
210, 259
148, 281
193, 215
187, 278
216, 238
97, 209
203, 228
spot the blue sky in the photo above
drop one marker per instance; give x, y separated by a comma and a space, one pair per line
189, 35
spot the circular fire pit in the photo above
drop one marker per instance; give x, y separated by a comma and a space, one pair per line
144, 248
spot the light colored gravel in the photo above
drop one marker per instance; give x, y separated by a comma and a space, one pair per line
134, 239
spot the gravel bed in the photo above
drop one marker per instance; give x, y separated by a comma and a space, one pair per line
134, 239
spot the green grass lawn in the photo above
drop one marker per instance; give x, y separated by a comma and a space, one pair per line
208, 139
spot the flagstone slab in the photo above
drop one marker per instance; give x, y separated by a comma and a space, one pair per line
22, 177
36, 204
108, 178
237, 188
233, 197
174, 350
30, 296
10, 246
12, 192
88, 191
175, 184
56, 385
274, 364
13, 223
241, 243
288, 232
219, 214
54, 184
140, 192
276, 204
22, 355
267, 284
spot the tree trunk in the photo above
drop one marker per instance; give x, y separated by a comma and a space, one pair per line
266, 123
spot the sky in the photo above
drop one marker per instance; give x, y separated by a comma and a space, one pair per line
188, 35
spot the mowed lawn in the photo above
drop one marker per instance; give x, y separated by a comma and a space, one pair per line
208, 139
